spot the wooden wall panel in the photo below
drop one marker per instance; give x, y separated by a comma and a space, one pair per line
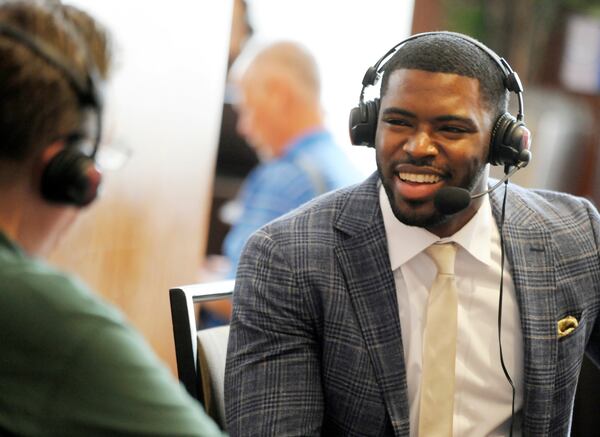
427, 16
149, 229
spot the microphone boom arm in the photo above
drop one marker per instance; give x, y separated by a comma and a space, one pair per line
519, 166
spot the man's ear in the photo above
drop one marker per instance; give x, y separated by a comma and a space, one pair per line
44, 157
49, 152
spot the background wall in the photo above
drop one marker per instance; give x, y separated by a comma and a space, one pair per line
148, 230
346, 37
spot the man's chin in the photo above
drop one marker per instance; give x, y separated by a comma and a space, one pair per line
420, 213
421, 220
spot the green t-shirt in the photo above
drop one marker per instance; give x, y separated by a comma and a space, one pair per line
71, 365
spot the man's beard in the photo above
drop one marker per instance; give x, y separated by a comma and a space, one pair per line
435, 219
412, 218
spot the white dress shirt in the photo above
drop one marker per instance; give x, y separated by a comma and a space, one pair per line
483, 396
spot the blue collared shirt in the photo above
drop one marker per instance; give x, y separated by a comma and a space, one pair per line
311, 165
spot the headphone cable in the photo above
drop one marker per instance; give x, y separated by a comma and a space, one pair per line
504, 369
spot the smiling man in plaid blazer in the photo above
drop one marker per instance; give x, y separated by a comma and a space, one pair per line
330, 300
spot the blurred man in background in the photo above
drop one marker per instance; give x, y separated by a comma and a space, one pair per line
280, 115
69, 363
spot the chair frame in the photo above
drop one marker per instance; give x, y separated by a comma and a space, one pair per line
183, 315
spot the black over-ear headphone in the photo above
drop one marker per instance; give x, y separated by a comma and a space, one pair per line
510, 139
71, 176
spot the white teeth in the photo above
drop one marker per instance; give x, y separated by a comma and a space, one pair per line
420, 178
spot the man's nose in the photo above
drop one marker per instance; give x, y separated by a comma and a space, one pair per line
420, 145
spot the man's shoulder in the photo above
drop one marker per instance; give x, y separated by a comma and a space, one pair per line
32, 275
327, 209
54, 316
37, 292
322, 208
551, 208
550, 198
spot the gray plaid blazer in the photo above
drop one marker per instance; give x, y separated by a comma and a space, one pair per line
315, 345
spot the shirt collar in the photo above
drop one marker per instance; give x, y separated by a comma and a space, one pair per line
405, 242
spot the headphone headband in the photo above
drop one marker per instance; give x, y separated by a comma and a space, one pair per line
511, 78
83, 85
510, 138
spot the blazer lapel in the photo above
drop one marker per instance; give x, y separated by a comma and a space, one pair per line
529, 251
365, 263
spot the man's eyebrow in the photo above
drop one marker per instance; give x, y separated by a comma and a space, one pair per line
398, 111
467, 120
441, 118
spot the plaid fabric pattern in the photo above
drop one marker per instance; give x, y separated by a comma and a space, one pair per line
315, 345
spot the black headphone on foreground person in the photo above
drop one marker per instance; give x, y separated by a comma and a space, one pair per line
71, 176
510, 139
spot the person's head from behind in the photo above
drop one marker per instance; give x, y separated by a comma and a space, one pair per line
279, 96
49, 114
440, 97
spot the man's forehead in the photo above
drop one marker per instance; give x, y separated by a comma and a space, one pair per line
404, 82
435, 92
413, 75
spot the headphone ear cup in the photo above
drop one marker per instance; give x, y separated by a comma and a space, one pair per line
71, 177
363, 123
510, 137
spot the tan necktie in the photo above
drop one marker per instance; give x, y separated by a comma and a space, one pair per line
439, 347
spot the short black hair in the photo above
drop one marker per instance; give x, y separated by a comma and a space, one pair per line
452, 53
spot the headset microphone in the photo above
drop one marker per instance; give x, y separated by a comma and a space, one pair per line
450, 200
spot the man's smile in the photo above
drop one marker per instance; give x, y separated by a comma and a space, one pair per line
418, 182
419, 178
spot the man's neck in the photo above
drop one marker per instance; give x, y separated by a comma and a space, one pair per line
11, 211
30, 221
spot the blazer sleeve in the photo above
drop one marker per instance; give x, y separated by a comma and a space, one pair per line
272, 376
593, 347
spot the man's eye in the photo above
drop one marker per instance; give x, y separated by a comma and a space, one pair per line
453, 129
397, 122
